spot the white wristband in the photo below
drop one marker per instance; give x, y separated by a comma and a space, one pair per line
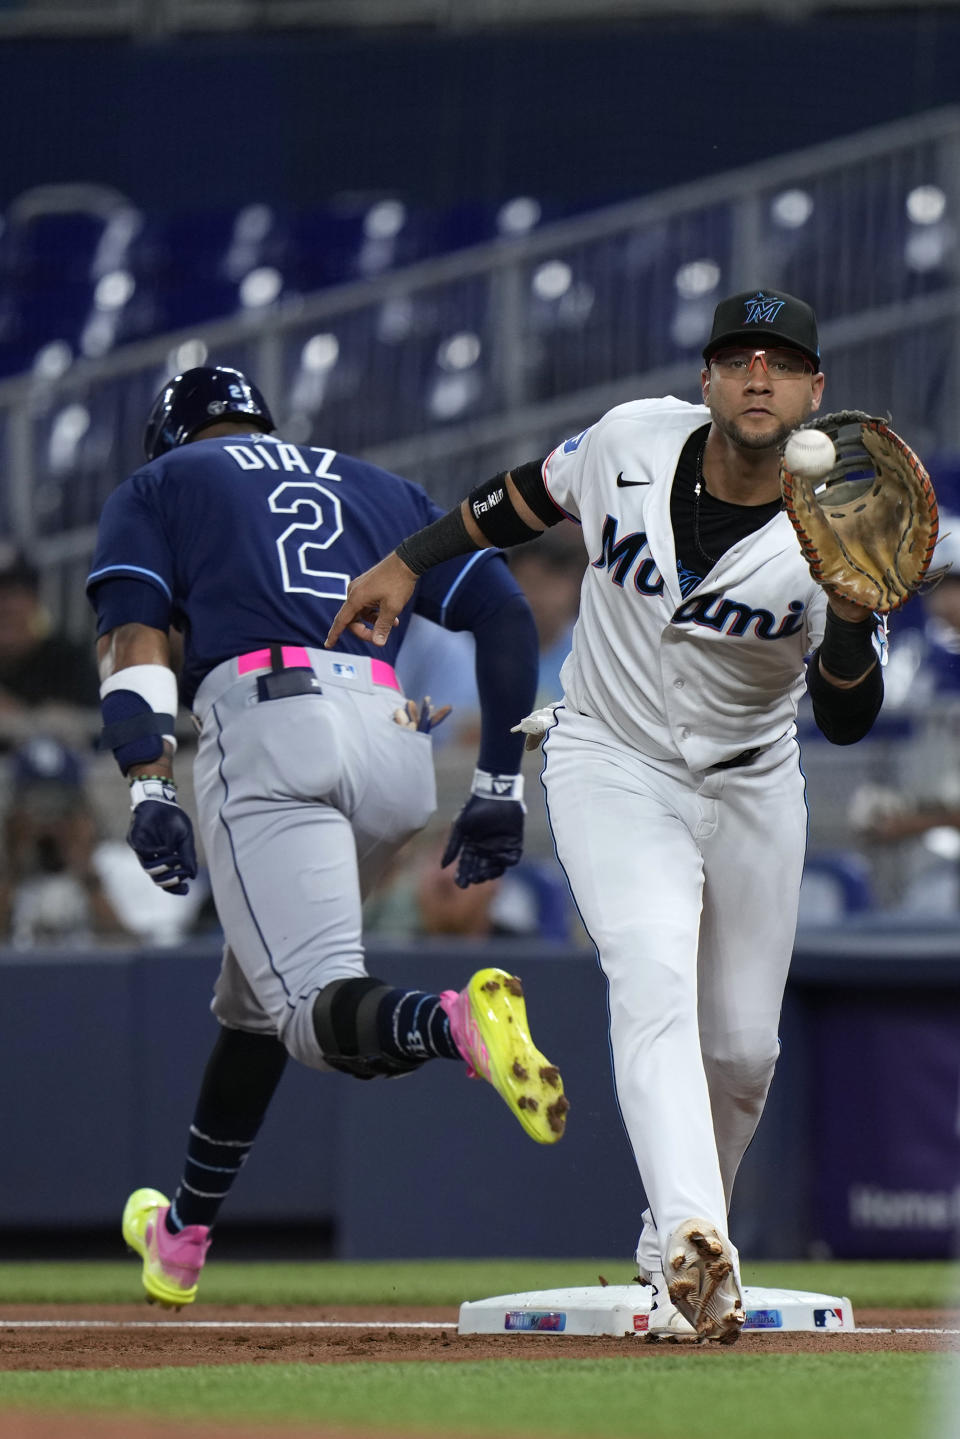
497, 786
152, 786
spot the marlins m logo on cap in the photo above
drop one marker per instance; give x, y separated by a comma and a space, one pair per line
762, 309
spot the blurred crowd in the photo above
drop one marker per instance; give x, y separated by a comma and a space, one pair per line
885, 816
904, 818
67, 876
69, 880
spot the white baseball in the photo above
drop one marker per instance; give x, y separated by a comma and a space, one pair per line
809, 454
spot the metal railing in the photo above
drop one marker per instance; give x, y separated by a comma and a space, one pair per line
152, 18
451, 369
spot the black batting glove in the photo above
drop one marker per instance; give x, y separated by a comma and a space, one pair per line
487, 834
161, 834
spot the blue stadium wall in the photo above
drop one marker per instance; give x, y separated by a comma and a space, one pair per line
579, 113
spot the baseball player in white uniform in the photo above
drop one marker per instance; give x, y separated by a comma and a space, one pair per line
671, 766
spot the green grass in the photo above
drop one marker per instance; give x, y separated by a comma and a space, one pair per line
448, 1282
693, 1395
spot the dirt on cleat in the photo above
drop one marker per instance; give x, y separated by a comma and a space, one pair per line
702, 1266
557, 1114
488, 1025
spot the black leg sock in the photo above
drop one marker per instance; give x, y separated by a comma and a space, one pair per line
239, 1082
412, 1025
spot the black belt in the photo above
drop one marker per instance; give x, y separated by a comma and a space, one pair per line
747, 756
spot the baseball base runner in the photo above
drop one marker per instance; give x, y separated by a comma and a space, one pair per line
312, 769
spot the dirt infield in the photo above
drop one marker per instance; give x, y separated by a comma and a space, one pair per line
24, 1425
138, 1336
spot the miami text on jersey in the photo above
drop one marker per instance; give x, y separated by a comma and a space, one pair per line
620, 556
734, 617
712, 611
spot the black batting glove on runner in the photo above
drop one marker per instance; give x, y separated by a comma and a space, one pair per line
161, 834
487, 834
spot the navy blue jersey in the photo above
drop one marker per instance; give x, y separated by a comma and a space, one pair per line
244, 541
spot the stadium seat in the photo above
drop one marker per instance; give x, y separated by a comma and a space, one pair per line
835, 883
216, 262
359, 238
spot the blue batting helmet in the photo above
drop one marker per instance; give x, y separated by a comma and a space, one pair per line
201, 397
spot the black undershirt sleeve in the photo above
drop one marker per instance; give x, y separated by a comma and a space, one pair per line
844, 715
528, 479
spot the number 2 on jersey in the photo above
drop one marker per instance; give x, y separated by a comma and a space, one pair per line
318, 525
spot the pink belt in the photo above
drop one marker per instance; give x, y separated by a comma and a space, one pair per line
336, 666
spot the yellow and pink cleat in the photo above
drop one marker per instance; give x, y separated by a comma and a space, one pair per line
488, 1022
171, 1262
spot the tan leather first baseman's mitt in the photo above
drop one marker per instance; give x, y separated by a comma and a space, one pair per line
863, 507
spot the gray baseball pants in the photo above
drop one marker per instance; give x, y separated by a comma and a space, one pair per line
301, 802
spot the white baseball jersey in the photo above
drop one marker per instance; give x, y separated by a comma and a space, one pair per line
700, 678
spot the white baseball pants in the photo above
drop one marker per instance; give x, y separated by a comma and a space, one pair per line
688, 884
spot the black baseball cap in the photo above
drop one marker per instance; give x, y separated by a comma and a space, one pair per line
764, 317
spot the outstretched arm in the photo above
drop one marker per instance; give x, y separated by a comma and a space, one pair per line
508, 510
